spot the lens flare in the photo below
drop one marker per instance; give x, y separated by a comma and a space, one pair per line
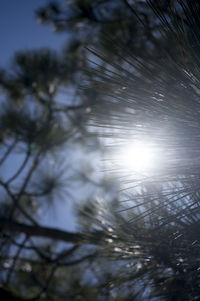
140, 157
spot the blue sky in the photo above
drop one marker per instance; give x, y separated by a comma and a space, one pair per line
19, 29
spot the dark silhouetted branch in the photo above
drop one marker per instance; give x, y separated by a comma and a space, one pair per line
47, 232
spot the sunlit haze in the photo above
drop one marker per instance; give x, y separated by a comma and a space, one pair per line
140, 157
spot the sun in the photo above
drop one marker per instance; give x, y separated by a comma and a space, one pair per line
141, 157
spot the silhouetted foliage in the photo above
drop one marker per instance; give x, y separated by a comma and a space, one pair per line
131, 73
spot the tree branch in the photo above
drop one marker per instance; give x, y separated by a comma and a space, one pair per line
9, 150
27, 156
52, 233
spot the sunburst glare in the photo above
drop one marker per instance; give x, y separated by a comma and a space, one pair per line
141, 157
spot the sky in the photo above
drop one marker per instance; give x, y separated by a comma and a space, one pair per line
19, 29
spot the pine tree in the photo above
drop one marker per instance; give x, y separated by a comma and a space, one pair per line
142, 242
157, 99
37, 131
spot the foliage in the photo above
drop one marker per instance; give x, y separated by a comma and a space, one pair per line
136, 78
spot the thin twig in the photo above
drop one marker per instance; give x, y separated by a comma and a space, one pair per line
20, 169
16, 258
9, 150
